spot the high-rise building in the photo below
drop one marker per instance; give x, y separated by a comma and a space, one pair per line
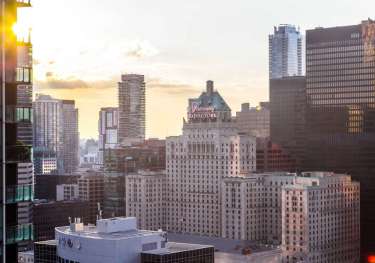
209, 149
254, 121
314, 215
320, 219
70, 136
132, 109
149, 155
122, 161
90, 188
114, 195
108, 129
16, 163
48, 133
145, 198
340, 128
285, 52
287, 116
56, 137
252, 206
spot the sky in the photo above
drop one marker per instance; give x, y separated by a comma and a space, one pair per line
81, 48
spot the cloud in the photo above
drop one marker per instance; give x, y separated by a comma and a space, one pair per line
166, 87
73, 83
141, 49
171, 88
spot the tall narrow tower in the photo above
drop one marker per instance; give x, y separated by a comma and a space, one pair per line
285, 52
70, 137
16, 134
132, 109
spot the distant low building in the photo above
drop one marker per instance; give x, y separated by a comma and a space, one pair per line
271, 157
67, 192
45, 185
254, 121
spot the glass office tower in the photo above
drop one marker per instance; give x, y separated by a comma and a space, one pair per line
16, 134
285, 52
340, 113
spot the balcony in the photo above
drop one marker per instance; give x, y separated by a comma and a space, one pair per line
19, 193
23, 3
20, 233
20, 153
19, 114
24, 75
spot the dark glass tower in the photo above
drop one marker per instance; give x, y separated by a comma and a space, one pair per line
16, 134
340, 114
287, 115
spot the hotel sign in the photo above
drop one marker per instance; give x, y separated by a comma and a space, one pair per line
198, 112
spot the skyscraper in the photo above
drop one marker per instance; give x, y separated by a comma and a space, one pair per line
132, 109
48, 133
70, 136
108, 130
16, 163
287, 116
209, 149
285, 52
56, 136
340, 112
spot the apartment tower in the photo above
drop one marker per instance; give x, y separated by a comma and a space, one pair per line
132, 109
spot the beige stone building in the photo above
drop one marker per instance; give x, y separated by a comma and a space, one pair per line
313, 215
251, 206
145, 199
197, 161
321, 219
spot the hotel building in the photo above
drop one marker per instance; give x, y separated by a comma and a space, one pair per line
209, 149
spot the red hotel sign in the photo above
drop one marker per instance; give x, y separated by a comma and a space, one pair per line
197, 112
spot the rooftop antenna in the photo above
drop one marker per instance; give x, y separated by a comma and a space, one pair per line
99, 215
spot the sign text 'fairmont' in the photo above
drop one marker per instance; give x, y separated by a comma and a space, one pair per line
198, 112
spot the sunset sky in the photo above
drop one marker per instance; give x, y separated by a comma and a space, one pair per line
81, 47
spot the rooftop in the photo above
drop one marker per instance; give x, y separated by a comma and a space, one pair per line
111, 229
173, 247
220, 244
52, 242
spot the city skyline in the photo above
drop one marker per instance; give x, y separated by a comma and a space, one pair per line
175, 50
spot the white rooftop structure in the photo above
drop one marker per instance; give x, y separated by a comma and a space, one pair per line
113, 240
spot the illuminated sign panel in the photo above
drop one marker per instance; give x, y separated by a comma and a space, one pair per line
198, 112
